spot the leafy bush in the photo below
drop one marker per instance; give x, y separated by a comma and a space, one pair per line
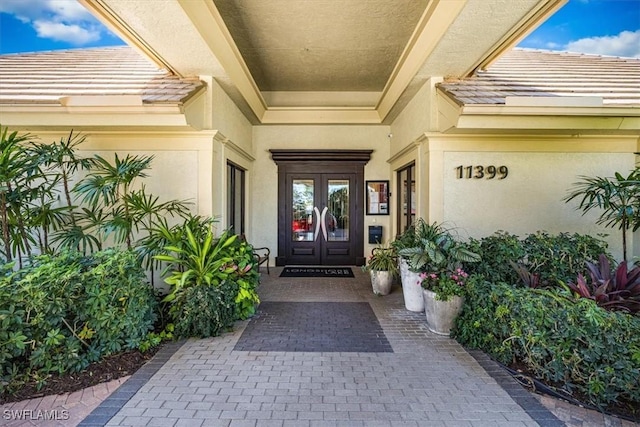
223, 265
573, 344
553, 258
204, 311
65, 311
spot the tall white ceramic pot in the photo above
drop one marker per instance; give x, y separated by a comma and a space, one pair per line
411, 289
441, 315
381, 282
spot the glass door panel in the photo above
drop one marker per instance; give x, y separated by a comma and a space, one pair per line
337, 217
302, 205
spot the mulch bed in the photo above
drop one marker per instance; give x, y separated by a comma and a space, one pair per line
623, 409
110, 368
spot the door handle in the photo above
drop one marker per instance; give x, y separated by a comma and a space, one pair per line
322, 223
315, 234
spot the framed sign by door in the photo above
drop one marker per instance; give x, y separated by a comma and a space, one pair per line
377, 197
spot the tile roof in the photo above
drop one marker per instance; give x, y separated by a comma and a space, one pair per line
44, 77
530, 73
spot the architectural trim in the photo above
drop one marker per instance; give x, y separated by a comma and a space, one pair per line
454, 117
285, 155
523, 28
207, 20
105, 15
434, 22
412, 146
227, 143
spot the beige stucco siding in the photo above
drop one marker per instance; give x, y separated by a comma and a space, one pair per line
530, 198
181, 168
417, 118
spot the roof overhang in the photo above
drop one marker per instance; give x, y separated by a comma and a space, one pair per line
97, 112
530, 117
452, 37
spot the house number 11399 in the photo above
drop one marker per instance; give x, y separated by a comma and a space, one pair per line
482, 172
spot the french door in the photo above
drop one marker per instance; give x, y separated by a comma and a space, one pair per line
320, 210
320, 206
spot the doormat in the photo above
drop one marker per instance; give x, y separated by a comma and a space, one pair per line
314, 327
317, 272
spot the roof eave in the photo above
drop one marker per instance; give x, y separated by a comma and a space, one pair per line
40, 115
454, 117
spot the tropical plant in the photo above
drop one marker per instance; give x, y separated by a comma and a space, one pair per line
113, 208
200, 261
617, 197
619, 290
383, 258
529, 279
59, 162
62, 158
107, 187
20, 184
436, 250
213, 280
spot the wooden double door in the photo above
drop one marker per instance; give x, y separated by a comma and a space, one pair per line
320, 212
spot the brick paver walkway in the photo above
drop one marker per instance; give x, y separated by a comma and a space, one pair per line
426, 380
62, 410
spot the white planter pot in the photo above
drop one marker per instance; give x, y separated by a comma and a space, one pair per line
441, 315
381, 282
411, 289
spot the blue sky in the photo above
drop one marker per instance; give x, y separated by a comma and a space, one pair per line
605, 27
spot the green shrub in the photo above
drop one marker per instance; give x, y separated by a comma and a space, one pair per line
197, 259
65, 311
496, 253
554, 258
204, 311
574, 344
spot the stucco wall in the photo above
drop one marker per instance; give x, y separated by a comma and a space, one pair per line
417, 118
181, 168
228, 119
530, 198
264, 215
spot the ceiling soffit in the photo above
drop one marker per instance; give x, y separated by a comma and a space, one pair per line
322, 61
325, 45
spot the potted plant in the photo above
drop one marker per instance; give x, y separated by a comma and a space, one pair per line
443, 294
406, 246
436, 251
382, 266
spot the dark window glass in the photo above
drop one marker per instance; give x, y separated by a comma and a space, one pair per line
235, 198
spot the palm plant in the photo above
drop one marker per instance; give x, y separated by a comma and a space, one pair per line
107, 187
21, 182
618, 197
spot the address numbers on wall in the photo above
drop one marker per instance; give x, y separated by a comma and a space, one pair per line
482, 172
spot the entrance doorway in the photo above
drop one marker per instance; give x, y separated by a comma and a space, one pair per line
321, 201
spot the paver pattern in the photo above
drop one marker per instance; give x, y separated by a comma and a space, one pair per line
426, 380
314, 326
62, 410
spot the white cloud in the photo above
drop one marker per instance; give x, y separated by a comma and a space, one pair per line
626, 44
59, 20
70, 33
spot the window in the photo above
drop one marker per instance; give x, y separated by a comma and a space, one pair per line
407, 197
235, 198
